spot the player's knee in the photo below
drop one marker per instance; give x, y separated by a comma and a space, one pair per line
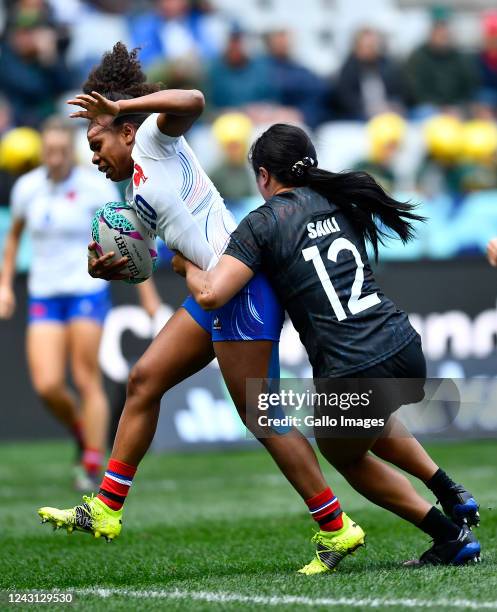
48, 390
140, 383
344, 458
348, 466
87, 380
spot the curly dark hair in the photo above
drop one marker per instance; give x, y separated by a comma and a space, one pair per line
119, 74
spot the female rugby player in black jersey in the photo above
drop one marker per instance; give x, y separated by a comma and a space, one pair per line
309, 239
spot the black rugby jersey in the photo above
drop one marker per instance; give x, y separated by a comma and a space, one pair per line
317, 263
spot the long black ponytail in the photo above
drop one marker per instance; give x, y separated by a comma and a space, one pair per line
288, 154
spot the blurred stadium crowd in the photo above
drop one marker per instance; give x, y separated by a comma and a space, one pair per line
402, 89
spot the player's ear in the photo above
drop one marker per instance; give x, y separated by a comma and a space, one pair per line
264, 176
128, 131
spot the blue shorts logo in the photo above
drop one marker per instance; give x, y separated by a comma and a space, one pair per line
216, 324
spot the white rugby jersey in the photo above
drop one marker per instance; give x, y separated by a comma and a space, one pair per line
58, 219
175, 198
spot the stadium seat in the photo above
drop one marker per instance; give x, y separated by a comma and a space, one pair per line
340, 144
316, 49
92, 35
410, 156
205, 146
408, 31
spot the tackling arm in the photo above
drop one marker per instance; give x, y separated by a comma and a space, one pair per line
214, 288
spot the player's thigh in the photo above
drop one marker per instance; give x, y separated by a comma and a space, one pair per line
254, 313
84, 337
240, 360
46, 345
181, 349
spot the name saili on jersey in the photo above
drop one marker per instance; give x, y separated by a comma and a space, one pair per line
322, 228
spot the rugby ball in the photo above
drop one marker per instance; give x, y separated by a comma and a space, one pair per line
116, 227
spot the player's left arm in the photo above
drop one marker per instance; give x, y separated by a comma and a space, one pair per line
213, 288
178, 108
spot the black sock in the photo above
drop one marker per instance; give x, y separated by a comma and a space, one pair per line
439, 527
440, 483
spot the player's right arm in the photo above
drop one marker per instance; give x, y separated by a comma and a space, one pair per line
177, 109
492, 252
21, 197
7, 295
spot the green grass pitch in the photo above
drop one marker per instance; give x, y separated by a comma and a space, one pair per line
225, 532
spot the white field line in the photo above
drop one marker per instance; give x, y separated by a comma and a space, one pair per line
282, 600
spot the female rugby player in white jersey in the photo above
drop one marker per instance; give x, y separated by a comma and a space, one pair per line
136, 131
55, 204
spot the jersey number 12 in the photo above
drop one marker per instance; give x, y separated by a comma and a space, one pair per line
356, 303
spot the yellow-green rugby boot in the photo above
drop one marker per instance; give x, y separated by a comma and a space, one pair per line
92, 516
333, 546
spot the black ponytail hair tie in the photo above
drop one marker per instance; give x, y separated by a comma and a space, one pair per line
298, 169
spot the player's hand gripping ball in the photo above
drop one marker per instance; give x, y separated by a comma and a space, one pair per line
117, 229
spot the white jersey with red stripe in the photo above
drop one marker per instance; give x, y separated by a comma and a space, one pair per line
175, 198
58, 219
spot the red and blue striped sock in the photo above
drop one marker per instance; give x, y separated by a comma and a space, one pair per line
325, 510
116, 482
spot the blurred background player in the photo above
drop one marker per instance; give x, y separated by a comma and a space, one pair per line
55, 204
